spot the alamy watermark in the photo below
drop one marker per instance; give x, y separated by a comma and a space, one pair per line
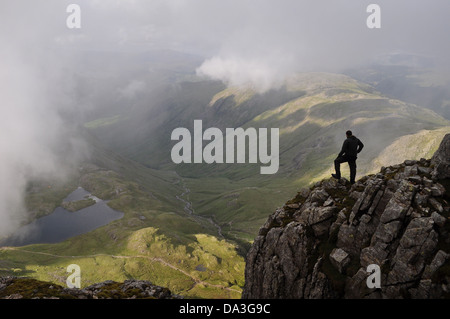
74, 280
73, 21
190, 149
374, 19
374, 279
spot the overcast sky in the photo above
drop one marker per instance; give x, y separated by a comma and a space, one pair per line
260, 41
238, 37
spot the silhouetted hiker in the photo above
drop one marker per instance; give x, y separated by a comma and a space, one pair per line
351, 147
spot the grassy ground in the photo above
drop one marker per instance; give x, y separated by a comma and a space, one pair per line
204, 268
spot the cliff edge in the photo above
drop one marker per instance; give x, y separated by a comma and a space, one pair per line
320, 244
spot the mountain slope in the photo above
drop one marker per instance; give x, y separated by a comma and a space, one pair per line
320, 244
310, 110
410, 78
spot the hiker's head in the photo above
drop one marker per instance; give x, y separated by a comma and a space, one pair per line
348, 133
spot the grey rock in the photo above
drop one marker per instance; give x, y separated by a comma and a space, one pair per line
427, 182
437, 190
416, 246
409, 162
436, 205
328, 202
424, 170
438, 261
339, 258
410, 171
319, 195
423, 291
347, 239
387, 232
415, 179
438, 219
421, 199
374, 254
441, 160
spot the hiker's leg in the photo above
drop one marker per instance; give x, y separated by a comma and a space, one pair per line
352, 164
337, 165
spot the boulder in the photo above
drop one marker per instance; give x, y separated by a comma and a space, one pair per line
441, 160
339, 258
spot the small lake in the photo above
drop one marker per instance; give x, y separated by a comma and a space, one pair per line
63, 224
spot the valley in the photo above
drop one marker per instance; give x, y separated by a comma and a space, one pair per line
186, 226
183, 253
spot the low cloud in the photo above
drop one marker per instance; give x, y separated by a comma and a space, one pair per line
35, 141
132, 89
258, 73
269, 43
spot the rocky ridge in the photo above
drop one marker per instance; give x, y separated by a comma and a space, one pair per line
27, 288
321, 242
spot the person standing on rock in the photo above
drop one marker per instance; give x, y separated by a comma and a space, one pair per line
351, 147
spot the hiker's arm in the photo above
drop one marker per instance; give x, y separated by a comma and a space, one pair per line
344, 149
360, 146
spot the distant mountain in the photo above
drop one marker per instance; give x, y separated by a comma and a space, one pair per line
411, 78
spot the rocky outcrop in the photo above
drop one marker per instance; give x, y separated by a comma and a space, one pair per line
441, 160
320, 244
27, 288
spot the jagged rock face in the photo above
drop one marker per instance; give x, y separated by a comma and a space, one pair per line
320, 243
441, 159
